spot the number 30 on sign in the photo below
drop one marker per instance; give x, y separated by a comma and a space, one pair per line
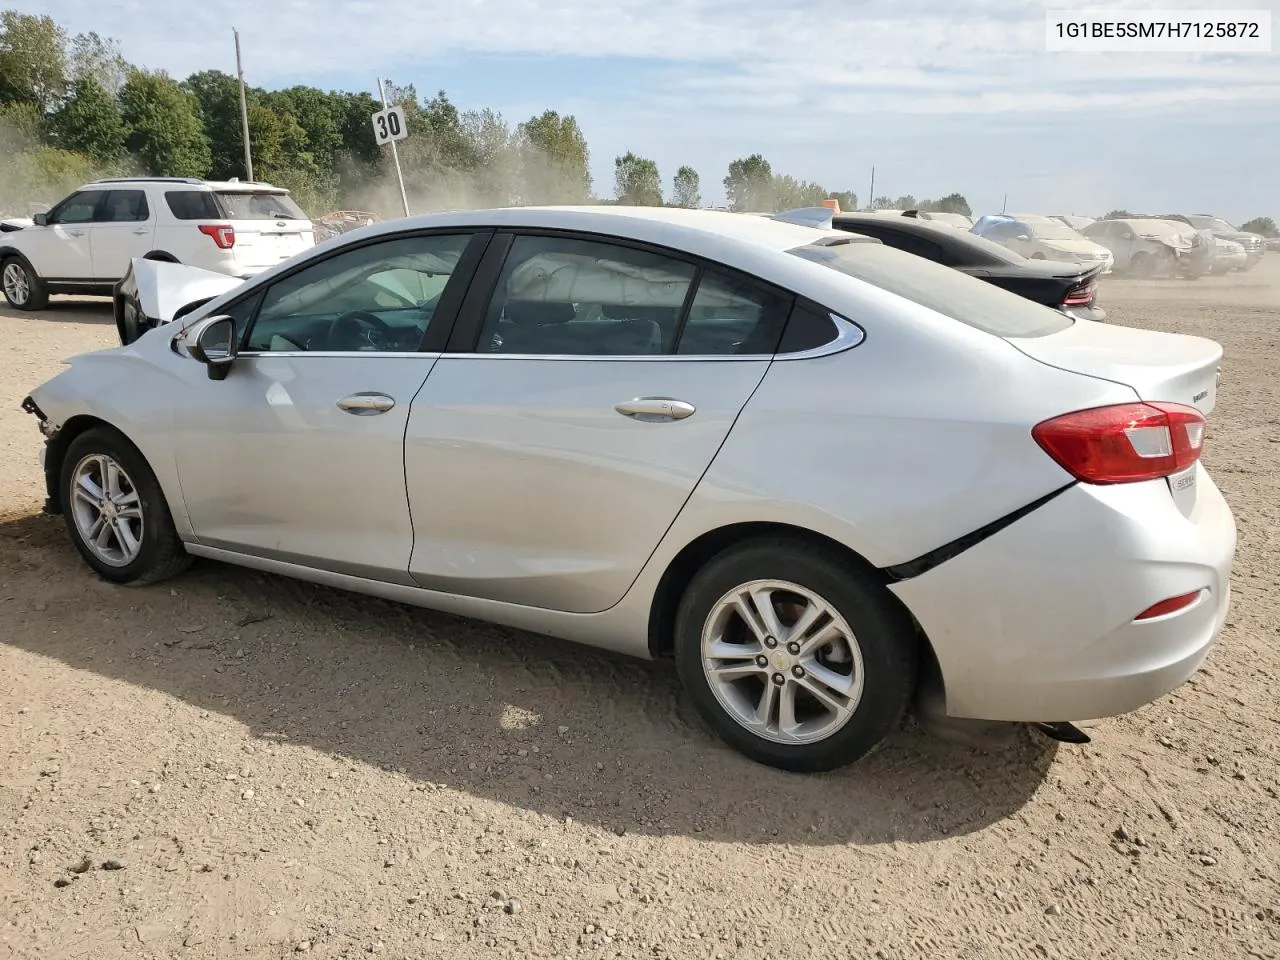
388, 125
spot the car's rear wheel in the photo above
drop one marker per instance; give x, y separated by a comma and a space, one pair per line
794, 655
116, 513
23, 288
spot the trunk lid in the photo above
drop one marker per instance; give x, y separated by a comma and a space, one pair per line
1171, 367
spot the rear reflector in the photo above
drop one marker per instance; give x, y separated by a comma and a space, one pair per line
1172, 605
223, 234
1124, 443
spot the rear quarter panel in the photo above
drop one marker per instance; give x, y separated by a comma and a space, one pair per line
917, 436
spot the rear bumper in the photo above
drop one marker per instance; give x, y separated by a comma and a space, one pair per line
1037, 622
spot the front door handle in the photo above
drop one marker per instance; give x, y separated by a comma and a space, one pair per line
75, 233
141, 233
655, 409
366, 404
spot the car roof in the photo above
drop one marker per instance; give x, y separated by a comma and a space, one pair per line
690, 229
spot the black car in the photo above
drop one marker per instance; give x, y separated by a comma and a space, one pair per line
1068, 287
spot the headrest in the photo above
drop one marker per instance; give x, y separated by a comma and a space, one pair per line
538, 313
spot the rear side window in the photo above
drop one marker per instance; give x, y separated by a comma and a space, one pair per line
259, 205
124, 206
192, 204
730, 316
949, 292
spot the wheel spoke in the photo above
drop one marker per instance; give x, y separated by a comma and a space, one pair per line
106, 532
733, 672
767, 706
787, 725
755, 606
720, 650
128, 498
95, 529
831, 689
829, 633
87, 490
110, 477
124, 536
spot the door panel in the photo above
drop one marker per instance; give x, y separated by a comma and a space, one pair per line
526, 485
272, 465
61, 250
123, 230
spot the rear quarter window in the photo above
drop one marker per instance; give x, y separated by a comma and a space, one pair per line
951, 293
192, 204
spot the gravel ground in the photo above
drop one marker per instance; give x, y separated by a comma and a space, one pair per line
238, 765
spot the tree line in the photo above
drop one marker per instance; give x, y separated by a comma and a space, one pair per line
72, 109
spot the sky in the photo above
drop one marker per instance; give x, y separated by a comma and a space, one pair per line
937, 95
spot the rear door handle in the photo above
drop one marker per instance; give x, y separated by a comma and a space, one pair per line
655, 409
75, 233
366, 404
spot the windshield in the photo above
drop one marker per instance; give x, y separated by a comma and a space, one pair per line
1212, 223
1051, 230
949, 292
259, 205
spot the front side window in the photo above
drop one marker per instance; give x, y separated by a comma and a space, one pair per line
77, 208
559, 296
125, 206
731, 316
380, 297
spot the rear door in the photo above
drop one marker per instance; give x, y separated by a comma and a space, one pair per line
124, 229
269, 226
588, 388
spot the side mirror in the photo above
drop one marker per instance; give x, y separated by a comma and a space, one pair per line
211, 341
40, 219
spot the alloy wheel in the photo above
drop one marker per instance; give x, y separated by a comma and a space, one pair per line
17, 286
782, 662
107, 510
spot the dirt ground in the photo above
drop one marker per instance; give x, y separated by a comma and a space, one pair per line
233, 765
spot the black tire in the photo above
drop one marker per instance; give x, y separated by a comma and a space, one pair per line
885, 636
161, 554
1142, 266
37, 290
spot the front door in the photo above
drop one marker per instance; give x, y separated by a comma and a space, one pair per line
123, 230
60, 250
298, 455
544, 467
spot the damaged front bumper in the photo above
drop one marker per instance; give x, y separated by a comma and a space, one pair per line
50, 432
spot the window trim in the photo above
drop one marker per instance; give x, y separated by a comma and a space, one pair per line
97, 205
470, 321
436, 335
104, 205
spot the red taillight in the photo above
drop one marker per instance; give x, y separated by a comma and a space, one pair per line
223, 234
1172, 605
1124, 443
1080, 296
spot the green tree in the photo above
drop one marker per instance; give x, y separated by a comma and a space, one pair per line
749, 185
496, 180
685, 188
100, 59
1263, 225
165, 132
636, 181
1118, 215
33, 60
89, 122
790, 193
951, 203
882, 203
554, 160
217, 98
847, 199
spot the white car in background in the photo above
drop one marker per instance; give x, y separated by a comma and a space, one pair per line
85, 243
822, 474
1043, 238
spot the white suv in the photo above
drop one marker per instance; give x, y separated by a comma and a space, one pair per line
85, 243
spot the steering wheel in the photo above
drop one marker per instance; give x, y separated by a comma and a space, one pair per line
358, 329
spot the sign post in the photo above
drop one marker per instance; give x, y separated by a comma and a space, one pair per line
388, 127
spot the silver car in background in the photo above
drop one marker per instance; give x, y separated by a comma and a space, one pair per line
823, 475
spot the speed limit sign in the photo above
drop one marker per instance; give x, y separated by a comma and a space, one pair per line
389, 125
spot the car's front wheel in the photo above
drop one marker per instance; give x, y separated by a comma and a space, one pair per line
116, 513
794, 655
23, 288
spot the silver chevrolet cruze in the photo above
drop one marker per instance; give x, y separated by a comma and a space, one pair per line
822, 474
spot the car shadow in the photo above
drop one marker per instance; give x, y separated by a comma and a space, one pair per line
539, 724
63, 309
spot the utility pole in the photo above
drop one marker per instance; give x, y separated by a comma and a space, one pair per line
1004, 204
244, 112
395, 154
871, 199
